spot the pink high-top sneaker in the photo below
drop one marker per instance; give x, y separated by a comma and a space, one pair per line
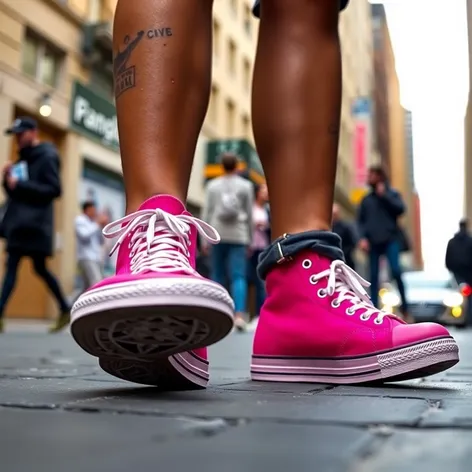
319, 325
148, 323
187, 370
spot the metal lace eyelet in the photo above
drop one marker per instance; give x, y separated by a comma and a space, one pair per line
306, 264
377, 321
365, 318
313, 280
350, 312
322, 293
335, 303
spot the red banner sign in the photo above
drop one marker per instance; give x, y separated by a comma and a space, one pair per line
360, 154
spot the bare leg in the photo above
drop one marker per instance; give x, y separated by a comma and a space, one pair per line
162, 69
296, 110
317, 313
162, 102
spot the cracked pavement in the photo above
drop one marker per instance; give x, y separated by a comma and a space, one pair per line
60, 412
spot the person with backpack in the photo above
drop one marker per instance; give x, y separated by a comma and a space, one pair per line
228, 208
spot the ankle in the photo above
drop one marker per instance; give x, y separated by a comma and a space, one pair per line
303, 227
327, 245
136, 200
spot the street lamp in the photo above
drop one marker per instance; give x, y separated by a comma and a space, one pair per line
45, 108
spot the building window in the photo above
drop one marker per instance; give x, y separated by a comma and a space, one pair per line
216, 38
230, 118
41, 60
232, 57
213, 106
49, 67
30, 57
247, 73
248, 19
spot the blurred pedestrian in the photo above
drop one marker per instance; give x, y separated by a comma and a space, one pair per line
459, 254
228, 208
90, 241
459, 260
260, 241
31, 186
347, 234
378, 217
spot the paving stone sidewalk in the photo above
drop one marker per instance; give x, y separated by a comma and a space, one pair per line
60, 413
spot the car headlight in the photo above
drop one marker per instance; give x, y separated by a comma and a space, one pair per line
390, 299
453, 299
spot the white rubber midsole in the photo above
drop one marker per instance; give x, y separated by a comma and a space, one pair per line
154, 292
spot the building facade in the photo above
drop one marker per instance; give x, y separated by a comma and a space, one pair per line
414, 214
381, 39
390, 119
409, 148
40, 61
389, 113
418, 261
357, 52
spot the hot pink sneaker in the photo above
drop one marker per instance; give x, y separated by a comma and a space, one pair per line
147, 322
183, 371
319, 325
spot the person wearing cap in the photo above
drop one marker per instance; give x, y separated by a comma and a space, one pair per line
228, 207
31, 186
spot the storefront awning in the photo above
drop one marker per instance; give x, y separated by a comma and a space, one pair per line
249, 166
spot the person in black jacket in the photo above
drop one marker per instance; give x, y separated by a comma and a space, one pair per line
347, 234
28, 223
459, 254
459, 261
379, 231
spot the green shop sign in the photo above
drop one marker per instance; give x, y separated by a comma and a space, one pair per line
248, 155
93, 116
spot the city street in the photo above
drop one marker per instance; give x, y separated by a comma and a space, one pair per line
59, 412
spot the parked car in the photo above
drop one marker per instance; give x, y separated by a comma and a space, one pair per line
432, 296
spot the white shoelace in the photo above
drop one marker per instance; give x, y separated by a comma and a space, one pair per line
348, 285
159, 241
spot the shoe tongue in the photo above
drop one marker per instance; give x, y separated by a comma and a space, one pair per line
168, 203
174, 206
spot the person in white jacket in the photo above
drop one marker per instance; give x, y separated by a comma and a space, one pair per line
88, 231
